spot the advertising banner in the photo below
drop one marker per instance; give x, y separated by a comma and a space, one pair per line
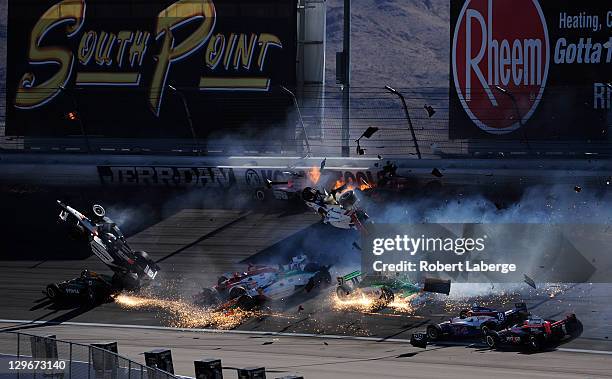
530, 69
129, 68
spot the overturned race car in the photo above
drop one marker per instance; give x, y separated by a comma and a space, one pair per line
131, 268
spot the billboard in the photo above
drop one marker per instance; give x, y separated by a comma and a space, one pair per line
127, 68
536, 69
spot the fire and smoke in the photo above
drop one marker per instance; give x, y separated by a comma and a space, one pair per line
181, 314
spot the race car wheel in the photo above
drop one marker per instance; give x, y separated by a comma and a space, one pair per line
236, 292
433, 332
343, 291
535, 343
492, 340
487, 328
573, 327
246, 302
260, 195
52, 292
206, 297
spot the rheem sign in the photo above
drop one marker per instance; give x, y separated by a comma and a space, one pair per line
529, 68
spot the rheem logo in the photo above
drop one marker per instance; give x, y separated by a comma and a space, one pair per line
500, 62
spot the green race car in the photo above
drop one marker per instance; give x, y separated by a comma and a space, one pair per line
384, 289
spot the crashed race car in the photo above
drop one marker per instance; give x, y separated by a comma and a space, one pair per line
131, 268
476, 322
89, 288
264, 283
534, 333
384, 289
338, 208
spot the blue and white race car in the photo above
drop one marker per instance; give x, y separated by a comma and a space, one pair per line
477, 322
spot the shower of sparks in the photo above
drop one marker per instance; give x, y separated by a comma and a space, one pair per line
181, 314
360, 302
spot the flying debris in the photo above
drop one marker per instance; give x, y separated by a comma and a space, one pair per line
578, 189
435, 172
323, 162
529, 281
369, 132
430, 110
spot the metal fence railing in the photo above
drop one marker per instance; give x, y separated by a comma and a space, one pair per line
80, 361
322, 122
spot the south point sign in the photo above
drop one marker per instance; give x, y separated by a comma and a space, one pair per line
63, 49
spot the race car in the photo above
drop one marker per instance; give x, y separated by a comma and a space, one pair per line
338, 208
263, 283
89, 288
384, 289
535, 333
477, 322
131, 268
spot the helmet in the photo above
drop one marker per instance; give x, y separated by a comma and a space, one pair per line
84, 273
98, 210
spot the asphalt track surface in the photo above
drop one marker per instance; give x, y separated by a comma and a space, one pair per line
195, 245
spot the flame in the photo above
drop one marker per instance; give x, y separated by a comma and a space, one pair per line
182, 314
314, 174
351, 185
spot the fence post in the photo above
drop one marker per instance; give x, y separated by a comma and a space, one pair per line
414, 139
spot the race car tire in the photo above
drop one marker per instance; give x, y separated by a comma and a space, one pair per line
313, 267
536, 342
146, 258
128, 282
487, 327
573, 327
260, 195
236, 292
53, 292
434, 332
246, 302
318, 280
492, 340
343, 291
206, 297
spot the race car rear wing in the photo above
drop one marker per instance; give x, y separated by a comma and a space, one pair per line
354, 278
437, 285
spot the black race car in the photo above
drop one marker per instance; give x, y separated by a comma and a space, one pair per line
89, 288
535, 333
132, 268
